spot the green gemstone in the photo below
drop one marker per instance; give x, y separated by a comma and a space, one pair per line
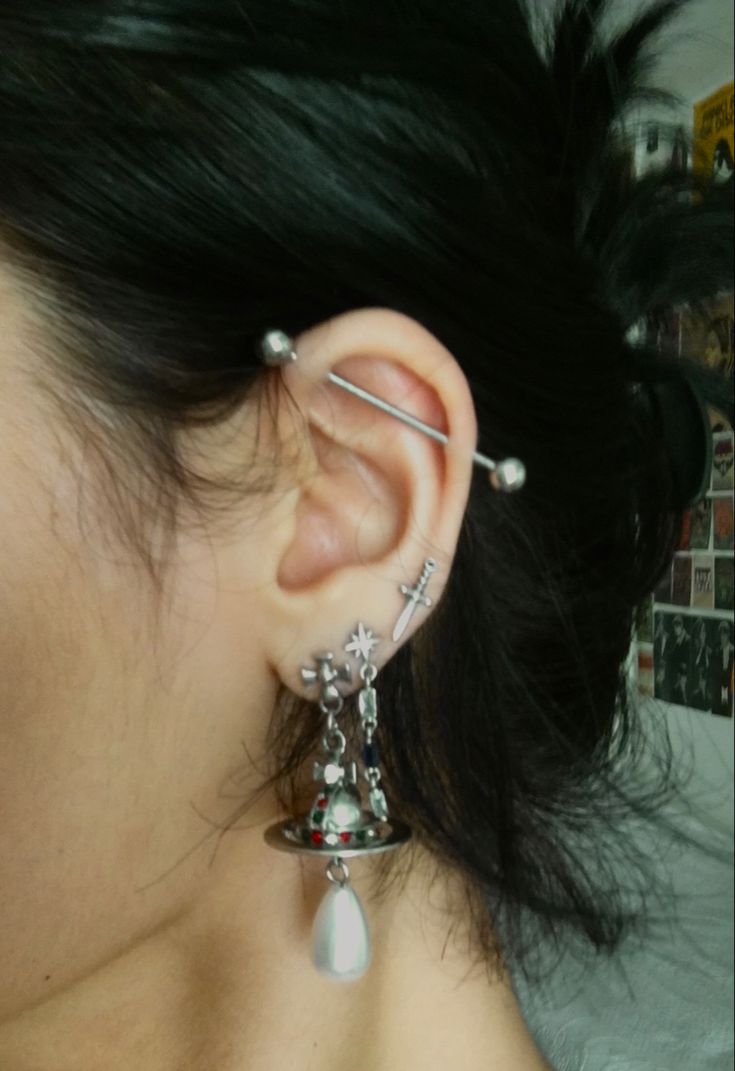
317, 816
361, 836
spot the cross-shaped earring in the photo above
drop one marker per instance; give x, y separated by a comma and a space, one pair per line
326, 674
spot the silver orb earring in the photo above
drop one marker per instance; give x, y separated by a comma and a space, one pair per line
337, 826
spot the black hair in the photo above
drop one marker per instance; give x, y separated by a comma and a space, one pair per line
179, 176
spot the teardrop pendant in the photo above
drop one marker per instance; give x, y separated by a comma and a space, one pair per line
341, 941
336, 825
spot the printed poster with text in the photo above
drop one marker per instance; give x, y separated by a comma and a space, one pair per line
714, 135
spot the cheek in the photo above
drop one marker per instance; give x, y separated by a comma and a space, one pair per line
106, 737
82, 792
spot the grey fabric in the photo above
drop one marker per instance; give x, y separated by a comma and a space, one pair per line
666, 1005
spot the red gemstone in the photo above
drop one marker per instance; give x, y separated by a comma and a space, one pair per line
344, 837
322, 802
316, 836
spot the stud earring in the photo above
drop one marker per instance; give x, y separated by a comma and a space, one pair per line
337, 826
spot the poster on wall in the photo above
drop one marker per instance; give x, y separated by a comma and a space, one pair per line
701, 524
713, 143
722, 464
708, 336
681, 586
723, 523
693, 662
724, 584
713, 149
703, 582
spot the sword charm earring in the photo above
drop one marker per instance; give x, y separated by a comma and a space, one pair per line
415, 596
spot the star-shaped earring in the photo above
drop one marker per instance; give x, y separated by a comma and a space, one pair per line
362, 642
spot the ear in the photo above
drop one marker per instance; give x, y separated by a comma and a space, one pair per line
373, 498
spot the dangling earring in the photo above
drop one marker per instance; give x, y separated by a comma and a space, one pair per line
361, 644
337, 826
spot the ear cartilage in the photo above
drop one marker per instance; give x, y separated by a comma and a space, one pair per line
276, 348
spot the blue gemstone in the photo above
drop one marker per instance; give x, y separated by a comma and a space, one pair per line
370, 754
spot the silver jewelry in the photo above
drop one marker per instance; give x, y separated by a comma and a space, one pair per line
415, 596
337, 826
276, 348
361, 643
326, 674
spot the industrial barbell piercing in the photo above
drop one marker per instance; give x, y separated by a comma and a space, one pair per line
276, 348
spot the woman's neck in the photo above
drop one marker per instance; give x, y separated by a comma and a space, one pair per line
228, 985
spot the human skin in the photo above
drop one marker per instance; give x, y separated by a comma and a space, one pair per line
126, 717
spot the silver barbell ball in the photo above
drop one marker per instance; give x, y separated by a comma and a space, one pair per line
509, 475
276, 347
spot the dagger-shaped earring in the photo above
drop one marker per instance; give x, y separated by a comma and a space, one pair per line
415, 596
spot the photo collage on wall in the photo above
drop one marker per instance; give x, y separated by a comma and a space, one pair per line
685, 630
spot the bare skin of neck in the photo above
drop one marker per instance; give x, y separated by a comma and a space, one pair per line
228, 985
